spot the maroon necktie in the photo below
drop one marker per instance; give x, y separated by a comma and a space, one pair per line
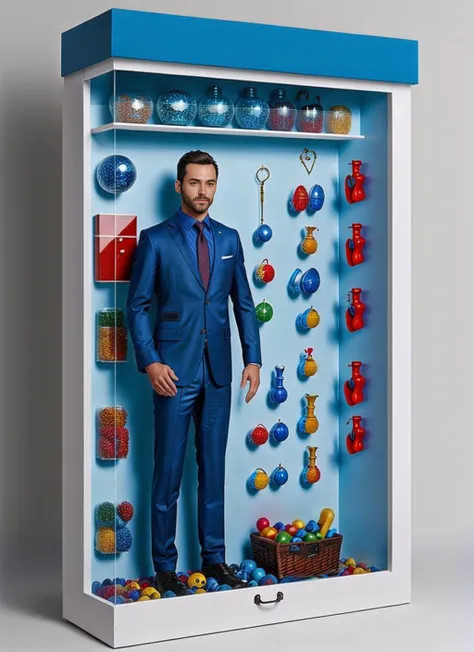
202, 254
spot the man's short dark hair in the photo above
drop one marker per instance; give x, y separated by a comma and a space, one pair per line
198, 157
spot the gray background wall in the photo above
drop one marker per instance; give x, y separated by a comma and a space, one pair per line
30, 259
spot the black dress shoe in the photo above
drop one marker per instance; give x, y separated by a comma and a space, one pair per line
168, 581
223, 574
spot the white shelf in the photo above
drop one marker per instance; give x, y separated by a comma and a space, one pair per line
228, 131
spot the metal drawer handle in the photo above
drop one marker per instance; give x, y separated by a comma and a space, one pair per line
258, 600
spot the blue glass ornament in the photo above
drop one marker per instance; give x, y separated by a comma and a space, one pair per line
307, 282
278, 393
224, 587
316, 197
282, 112
251, 112
280, 431
280, 476
131, 107
116, 174
123, 539
215, 110
301, 533
263, 233
176, 108
296, 540
107, 582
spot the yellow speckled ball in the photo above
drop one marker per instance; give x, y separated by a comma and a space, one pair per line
143, 598
261, 480
149, 591
351, 562
196, 579
133, 586
200, 591
105, 540
313, 318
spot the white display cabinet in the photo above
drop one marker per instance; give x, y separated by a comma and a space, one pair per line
335, 138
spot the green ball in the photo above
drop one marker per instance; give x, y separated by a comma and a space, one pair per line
310, 537
106, 514
318, 535
264, 311
283, 537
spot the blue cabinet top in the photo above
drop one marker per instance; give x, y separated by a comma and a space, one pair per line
122, 33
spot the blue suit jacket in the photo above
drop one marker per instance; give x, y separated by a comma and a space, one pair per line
187, 314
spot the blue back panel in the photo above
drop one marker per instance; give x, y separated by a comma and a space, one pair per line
162, 37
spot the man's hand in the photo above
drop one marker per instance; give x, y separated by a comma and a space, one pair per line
161, 376
251, 373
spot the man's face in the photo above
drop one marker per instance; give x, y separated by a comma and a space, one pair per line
198, 187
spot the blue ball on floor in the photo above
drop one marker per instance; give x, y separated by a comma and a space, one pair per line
224, 587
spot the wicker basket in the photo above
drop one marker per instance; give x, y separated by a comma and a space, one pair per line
297, 559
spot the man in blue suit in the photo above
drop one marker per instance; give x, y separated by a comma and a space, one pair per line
192, 264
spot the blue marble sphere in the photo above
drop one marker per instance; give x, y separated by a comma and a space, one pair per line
263, 233
280, 432
176, 108
116, 174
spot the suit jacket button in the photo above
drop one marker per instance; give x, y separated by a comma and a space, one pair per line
203, 330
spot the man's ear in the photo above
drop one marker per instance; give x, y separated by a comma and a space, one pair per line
177, 186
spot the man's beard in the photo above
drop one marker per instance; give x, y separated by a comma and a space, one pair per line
192, 203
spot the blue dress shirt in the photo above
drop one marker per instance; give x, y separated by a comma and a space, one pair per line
187, 222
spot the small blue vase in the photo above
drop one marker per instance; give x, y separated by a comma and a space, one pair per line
250, 111
176, 108
215, 110
278, 393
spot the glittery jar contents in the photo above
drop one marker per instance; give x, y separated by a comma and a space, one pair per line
339, 120
114, 416
131, 107
111, 336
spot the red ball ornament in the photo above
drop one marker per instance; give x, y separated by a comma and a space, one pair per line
259, 435
125, 511
291, 529
262, 523
265, 272
300, 199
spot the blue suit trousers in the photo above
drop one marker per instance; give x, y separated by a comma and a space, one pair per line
209, 405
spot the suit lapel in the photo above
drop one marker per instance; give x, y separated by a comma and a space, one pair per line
177, 234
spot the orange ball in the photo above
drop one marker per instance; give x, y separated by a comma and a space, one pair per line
269, 533
299, 525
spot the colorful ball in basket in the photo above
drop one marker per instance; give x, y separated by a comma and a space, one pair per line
283, 537
291, 529
325, 520
280, 476
197, 580
299, 524
262, 523
316, 197
280, 431
279, 526
269, 533
300, 199
265, 272
259, 435
309, 536
116, 174
264, 311
312, 526
259, 480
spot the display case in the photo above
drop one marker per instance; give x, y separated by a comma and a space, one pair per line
311, 134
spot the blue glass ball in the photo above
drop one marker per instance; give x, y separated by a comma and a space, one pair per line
248, 565
263, 233
176, 108
296, 540
280, 476
268, 579
224, 587
316, 197
279, 526
301, 533
280, 432
123, 539
257, 574
107, 582
311, 526
116, 173
310, 281
134, 595
215, 110
169, 594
